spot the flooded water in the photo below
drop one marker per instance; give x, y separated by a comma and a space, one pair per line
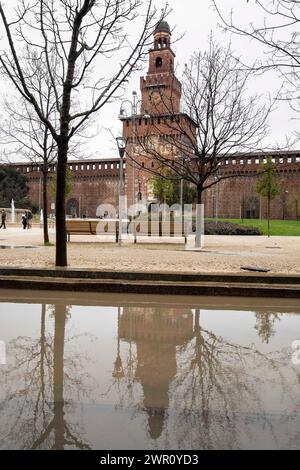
148, 372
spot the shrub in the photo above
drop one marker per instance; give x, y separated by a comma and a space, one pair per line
227, 228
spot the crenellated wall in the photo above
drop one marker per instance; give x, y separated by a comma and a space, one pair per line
236, 195
97, 182
94, 182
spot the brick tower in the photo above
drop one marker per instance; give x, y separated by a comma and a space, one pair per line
160, 89
159, 106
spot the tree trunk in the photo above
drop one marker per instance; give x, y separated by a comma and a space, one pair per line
199, 219
268, 215
58, 376
60, 210
45, 207
43, 350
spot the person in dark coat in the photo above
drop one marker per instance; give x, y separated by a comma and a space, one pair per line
24, 221
3, 219
29, 218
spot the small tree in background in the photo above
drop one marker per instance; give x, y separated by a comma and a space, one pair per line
13, 185
268, 185
169, 190
163, 189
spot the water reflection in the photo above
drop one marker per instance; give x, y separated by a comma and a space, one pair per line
178, 376
156, 332
42, 371
204, 377
265, 324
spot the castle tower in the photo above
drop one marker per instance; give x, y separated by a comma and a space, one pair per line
160, 89
157, 117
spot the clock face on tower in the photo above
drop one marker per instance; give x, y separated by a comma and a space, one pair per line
155, 97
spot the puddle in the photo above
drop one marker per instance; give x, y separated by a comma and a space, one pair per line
148, 372
7, 247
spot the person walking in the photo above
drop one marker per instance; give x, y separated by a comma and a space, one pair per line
29, 218
3, 219
24, 221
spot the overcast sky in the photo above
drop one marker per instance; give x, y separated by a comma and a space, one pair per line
196, 19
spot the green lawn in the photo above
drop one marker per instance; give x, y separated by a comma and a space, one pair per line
277, 227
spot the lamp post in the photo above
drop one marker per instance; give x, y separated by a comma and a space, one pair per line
181, 186
217, 182
121, 142
134, 105
284, 194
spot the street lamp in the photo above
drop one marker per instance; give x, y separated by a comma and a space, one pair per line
217, 181
121, 142
134, 104
284, 195
181, 186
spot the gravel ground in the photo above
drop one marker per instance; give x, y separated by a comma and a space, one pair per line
219, 254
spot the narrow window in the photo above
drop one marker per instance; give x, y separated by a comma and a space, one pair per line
158, 62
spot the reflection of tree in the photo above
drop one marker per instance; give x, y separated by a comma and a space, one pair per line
265, 322
41, 373
217, 382
193, 380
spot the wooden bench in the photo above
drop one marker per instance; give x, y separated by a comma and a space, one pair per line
159, 228
92, 227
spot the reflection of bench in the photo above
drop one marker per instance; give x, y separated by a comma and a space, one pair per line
92, 227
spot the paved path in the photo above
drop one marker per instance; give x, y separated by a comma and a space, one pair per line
220, 253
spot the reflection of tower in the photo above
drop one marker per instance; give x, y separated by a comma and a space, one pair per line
156, 333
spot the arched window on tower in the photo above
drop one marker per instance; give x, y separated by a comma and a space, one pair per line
158, 62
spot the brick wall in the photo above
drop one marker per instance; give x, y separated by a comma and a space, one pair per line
237, 195
97, 182
93, 182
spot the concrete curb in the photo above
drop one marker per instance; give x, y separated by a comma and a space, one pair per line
218, 284
77, 273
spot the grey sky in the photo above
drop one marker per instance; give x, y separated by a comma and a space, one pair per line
197, 19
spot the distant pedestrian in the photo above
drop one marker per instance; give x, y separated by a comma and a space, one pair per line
24, 221
3, 219
29, 218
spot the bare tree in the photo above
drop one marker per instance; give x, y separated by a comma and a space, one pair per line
33, 140
29, 136
219, 119
276, 29
74, 39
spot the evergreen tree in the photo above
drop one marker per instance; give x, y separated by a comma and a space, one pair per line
13, 185
268, 185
